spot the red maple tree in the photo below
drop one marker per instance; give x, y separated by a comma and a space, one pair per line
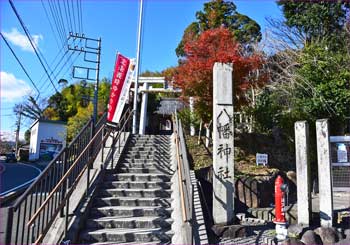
195, 72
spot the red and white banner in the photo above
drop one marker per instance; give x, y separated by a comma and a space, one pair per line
121, 82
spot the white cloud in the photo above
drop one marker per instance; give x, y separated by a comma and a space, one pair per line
21, 40
11, 135
12, 88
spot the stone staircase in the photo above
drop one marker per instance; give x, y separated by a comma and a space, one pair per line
133, 202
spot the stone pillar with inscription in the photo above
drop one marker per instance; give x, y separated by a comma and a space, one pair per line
223, 151
324, 173
192, 129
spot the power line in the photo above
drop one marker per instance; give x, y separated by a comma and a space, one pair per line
59, 31
31, 42
47, 16
20, 63
78, 12
73, 15
62, 21
68, 21
81, 16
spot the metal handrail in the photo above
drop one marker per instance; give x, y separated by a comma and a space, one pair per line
65, 176
124, 122
185, 184
33, 213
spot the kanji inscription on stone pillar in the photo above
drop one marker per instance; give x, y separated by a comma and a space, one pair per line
223, 151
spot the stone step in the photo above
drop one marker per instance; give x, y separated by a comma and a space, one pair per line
156, 192
138, 177
143, 170
132, 201
138, 156
136, 165
129, 222
133, 243
161, 166
129, 211
136, 184
153, 160
142, 144
126, 235
140, 148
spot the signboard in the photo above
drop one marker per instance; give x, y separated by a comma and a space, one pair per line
121, 83
49, 148
261, 159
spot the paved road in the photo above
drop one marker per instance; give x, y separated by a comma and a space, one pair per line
15, 176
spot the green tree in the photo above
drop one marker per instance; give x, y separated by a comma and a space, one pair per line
218, 13
77, 122
321, 19
27, 136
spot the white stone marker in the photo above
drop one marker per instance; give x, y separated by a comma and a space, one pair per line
143, 116
223, 151
324, 173
303, 172
192, 129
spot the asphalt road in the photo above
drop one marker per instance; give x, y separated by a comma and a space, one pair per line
14, 176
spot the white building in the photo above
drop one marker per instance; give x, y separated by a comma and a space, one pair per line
47, 138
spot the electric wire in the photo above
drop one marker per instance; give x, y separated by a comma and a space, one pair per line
67, 20
73, 16
58, 28
31, 42
51, 26
59, 20
20, 63
62, 20
78, 13
81, 17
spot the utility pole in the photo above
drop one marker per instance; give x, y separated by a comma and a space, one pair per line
18, 129
97, 79
88, 52
134, 118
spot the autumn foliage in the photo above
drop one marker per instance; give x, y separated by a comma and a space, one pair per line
195, 72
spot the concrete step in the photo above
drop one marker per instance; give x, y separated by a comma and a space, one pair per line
138, 156
142, 152
129, 222
132, 201
142, 144
133, 243
137, 165
156, 192
143, 170
161, 166
138, 177
133, 160
140, 148
126, 235
131, 211
136, 184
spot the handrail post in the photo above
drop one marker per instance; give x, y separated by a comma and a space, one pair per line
103, 144
8, 225
66, 218
65, 186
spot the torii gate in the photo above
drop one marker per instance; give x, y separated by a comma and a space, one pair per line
145, 88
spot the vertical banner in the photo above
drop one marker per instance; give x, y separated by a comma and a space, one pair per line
121, 82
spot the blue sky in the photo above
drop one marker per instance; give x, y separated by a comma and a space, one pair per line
115, 21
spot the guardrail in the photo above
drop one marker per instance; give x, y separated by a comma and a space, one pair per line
186, 188
32, 215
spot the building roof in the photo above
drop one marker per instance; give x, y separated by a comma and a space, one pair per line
48, 121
